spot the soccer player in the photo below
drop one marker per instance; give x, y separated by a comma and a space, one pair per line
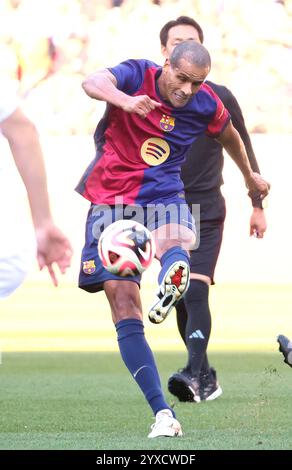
52, 245
152, 117
285, 347
202, 177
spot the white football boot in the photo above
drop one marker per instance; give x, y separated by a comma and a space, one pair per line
172, 289
165, 425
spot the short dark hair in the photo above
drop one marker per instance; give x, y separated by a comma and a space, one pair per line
193, 52
181, 20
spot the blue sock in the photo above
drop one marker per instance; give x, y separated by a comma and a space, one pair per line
139, 359
172, 255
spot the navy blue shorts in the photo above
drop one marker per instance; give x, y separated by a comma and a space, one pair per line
92, 273
212, 215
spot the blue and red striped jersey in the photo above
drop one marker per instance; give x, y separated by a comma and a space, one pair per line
139, 160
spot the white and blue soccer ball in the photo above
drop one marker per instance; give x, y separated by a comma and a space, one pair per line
126, 248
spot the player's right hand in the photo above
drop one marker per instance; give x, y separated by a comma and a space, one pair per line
256, 183
141, 105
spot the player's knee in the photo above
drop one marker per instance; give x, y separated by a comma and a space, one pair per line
181, 308
198, 291
201, 277
170, 235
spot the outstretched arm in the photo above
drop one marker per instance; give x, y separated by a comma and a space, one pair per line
52, 245
233, 144
237, 118
258, 223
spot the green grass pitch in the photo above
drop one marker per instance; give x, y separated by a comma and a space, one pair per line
70, 389
87, 400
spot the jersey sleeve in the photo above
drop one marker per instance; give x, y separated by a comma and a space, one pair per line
130, 74
220, 118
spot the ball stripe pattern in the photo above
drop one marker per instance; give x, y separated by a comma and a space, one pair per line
126, 248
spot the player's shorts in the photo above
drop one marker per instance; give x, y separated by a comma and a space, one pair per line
212, 216
92, 273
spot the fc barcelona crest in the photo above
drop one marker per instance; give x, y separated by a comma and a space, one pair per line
167, 123
89, 266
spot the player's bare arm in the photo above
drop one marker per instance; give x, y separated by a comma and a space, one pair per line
102, 86
33, 175
233, 144
52, 245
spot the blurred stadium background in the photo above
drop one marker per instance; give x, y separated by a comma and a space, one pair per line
47, 48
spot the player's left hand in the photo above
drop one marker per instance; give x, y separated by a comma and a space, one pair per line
258, 223
53, 247
256, 183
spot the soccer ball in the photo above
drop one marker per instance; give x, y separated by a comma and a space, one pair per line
126, 248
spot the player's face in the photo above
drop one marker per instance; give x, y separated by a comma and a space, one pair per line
178, 34
178, 84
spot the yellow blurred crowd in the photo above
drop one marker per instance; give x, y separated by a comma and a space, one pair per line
47, 47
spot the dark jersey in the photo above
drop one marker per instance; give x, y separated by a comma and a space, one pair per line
139, 160
202, 170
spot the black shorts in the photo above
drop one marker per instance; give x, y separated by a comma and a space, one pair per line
212, 215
